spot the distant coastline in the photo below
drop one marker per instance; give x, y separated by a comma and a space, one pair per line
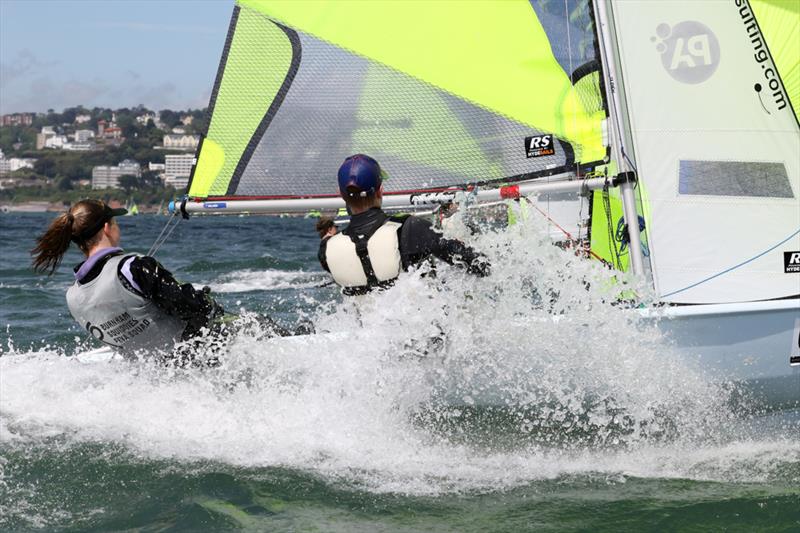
125, 155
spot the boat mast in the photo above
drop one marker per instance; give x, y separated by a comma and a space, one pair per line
617, 123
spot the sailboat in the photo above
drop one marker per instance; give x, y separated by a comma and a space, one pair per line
132, 208
676, 121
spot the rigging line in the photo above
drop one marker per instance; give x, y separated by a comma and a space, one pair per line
167, 235
162, 237
565, 232
163, 229
612, 242
612, 88
733, 267
571, 77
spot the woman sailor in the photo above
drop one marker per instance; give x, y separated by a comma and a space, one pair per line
128, 301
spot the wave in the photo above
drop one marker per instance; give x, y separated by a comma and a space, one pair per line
266, 280
439, 385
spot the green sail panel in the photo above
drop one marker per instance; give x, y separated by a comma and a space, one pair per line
383, 114
255, 65
340, 103
494, 54
449, 101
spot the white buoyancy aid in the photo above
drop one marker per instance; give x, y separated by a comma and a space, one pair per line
358, 261
120, 317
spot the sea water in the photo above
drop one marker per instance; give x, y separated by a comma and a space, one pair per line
526, 401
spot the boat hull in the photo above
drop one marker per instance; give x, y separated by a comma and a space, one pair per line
751, 344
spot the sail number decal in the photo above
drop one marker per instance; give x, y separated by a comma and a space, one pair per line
794, 354
539, 146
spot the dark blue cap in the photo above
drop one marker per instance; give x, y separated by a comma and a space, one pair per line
360, 172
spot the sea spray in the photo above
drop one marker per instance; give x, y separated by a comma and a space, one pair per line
444, 383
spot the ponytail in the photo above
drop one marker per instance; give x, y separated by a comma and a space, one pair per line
70, 226
51, 247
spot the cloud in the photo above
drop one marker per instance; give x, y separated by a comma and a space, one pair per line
26, 63
165, 28
160, 96
43, 93
199, 100
78, 92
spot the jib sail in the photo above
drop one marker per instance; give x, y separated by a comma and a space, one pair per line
712, 96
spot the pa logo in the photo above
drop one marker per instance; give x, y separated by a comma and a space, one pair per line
689, 51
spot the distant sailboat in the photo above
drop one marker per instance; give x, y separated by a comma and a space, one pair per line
132, 208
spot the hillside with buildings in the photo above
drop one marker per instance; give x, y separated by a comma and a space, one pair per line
128, 155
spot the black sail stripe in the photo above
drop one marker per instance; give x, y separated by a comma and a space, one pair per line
294, 39
217, 83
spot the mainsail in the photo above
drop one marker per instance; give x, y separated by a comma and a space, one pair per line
712, 92
443, 94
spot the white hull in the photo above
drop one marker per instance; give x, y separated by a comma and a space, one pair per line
748, 343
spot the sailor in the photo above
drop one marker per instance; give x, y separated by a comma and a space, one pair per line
374, 248
128, 301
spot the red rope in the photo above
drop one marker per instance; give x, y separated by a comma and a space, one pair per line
565, 232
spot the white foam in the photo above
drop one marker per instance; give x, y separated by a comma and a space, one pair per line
346, 405
264, 280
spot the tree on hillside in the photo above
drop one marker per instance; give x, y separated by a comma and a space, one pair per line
11, 135
170, 118
151, 179
129, 182
64, 184
45, 166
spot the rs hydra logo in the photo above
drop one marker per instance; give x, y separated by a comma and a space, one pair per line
689, 51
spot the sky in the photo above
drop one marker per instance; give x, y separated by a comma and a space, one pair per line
162, 54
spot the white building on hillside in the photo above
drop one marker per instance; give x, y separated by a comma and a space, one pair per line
107, 177
8, 166
42, 137
174, 141
177, 171
142, 119
82, 119
79, 147
56, 142
82, 136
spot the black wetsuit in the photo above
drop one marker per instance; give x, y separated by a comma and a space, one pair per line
417, 242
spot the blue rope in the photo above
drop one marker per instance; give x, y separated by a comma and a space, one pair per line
733, 267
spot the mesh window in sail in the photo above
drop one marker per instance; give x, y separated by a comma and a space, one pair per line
734, 178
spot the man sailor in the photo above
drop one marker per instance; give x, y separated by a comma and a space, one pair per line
129, 302
374, 248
